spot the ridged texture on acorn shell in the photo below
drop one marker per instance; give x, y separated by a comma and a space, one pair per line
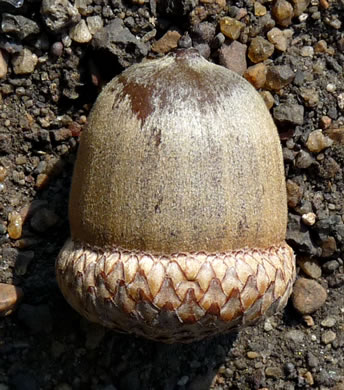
180, 155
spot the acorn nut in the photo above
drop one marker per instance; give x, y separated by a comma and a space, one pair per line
178, 206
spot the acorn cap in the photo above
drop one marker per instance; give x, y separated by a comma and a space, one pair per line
179, 185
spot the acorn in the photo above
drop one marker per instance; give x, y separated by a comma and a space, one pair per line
178, 206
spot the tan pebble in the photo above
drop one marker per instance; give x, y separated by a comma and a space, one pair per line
328, 336
308, 296
259, 9
308, 320
15, 225
256, 75
282, 12
324, 4
260, 50
317, 141
300, 6
231, 28
278, 39
325, 122
42, 181
167, 42
309, 266
309, 219
309, 378
336, 135
328, 322
80, 32
10, 296
3, 64
24, 62
252, 355
268, 98
3, 174
320, 46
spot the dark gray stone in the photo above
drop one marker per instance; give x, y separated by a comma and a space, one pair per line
304, 160
289, 114
19, 26
37, 318
118, 40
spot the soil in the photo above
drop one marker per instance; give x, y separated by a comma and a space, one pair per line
44, 344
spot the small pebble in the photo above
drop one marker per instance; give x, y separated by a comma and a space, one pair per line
278, 39
329, 246
233, 57
80, 32
252, 355
297, 336
300, 6
256, 75
294, 193
167, 42
309, 378
328, 336
260, 49
317, 141
231, 27
274, 372
309, 266
308, 320
309, 219
3, 64
278, 76
328, 322
268, 99
303, 161
183, 380
3, 173
57, 49
259, 9
15, 225
10, 296
307, 51
308, 296
282, 12
24, 62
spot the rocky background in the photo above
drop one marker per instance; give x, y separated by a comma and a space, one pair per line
55, 56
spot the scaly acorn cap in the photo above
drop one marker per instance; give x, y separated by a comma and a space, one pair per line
178, 206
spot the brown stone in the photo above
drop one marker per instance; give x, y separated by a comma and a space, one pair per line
317, 141
294, 193
278, 76
256, 75
309, 266
167, 42
329, 247
278, 39
233, 57
268, 98
259, 9
282, 12
10, 296
337, 135
230, 27
260, 49
308, 296
300, 6
15, 225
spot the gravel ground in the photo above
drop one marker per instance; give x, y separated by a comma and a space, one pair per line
55, 56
